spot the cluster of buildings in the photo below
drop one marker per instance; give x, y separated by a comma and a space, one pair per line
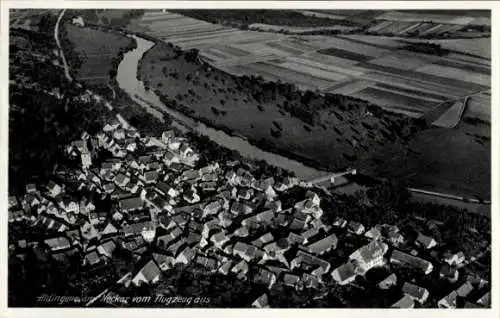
149, 197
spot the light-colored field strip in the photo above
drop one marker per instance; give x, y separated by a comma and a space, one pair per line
296, 30
416, 17
424, 27
431, 30
410, 28
249, 59
352, 88
316, 72
321, 15
351, 71
389, 79
404, 61
260, 48
396, 27
371, 39
454, 73
379, 26
345, 44
422, 97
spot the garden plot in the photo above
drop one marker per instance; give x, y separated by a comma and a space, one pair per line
453, 73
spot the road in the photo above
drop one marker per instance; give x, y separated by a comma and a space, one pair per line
56, 37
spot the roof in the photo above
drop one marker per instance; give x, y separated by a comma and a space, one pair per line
150, 271
344, 272
261, 302
405, 302
290, 279
409, 259
414, 290
58, 243
465, 289
388, 281
130, 203
92, 258
323, 245
137, 228
370, 251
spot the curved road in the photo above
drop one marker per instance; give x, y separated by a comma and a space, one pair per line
56, 37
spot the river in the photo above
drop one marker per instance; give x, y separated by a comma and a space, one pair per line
127, 80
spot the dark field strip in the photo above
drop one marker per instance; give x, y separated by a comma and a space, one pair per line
284, 48
346, 54
395, 99
379, 46
472, 68
467, 87
411, 91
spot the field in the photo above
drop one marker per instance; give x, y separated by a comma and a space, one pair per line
357, 65
373, 68
98, 51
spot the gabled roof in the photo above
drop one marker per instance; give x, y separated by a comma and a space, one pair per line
150, 271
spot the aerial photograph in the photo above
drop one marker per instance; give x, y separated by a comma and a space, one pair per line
249, 158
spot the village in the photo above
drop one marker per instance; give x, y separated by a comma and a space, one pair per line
130, 192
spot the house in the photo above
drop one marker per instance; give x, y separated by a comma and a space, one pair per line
238, 208
224, 269
388, 282
219, 239
13, 202
404, 303
291, 280
78, 21
355, 227
149, 274
149, 177
323, 246
310, 281
245, 193
340, 222
464, 290
109, 230
241, 231
485, 300
164, 240
454, 259
130, 204
186, 151
31, 188
121, 180
107, 248
240, 269
137, 228
295, 239
164, 262
369, 256
374, 233
186, 256
209, 263
91, 258
57, 243
408, 260
449, 273
53, 189
426, 242
344, 274
303, 258
261, 302
191, 196
264, 239
395, 238
449, 301
417, 293
243, 250
212, 208
265, 277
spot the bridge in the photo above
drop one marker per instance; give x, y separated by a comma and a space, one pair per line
333, 177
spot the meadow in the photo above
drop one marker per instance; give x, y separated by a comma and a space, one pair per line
98, 52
